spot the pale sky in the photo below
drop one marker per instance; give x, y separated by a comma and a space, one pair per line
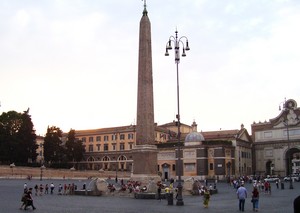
74, 63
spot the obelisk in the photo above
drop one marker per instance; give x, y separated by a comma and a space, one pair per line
145, 151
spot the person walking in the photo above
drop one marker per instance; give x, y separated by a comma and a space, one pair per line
242, 195
159, 191
24, 199
25, 187
51, 188
206, 197
29, 201
41, 188
297, 204
46, 188
255, 199
36, 188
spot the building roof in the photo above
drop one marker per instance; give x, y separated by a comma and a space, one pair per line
222, 134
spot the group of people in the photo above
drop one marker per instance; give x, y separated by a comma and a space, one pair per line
27, 199
39, 190
65, 189
130, 185
242, 195
263, 186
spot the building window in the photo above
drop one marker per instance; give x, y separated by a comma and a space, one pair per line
114, 147
105, 147
98, 147
173, 167
130, 136
90, 148
211, 166
91, 139
105, 158
130, 145
268, 134
122, 146
105, 138
122, 137
114, 137
98, 138
292, 132
84, 139
189, 167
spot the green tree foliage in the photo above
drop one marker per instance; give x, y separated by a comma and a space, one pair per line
59, 154
74, 147
17, 138
53, 149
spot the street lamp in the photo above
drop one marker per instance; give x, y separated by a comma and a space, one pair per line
12, 166
177, 42
117, 167
286, 107
72, 171
42, 169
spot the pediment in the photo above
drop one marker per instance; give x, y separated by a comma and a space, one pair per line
290, 115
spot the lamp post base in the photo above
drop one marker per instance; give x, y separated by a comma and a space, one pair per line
179, 201
291, 184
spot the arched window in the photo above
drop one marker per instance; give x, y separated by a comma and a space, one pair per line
122, 158
91, 159
105, 158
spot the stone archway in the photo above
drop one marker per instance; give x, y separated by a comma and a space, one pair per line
289, 155
122, 163
90, 161
166, 171
106, 164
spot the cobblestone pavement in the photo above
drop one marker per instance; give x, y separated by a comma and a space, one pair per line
280, 201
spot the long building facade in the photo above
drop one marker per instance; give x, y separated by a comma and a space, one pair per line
215, 154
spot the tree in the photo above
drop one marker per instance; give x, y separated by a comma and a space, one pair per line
17, 138
27, 137
53, 150
74, 147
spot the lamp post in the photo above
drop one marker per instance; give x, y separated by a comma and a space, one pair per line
72, 171
12, 166
117, 167
177, 42
286, 108
42, 169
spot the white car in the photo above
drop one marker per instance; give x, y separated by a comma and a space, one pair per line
271, 179
294, 178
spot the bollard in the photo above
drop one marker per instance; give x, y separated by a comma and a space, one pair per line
282, 185
170, 198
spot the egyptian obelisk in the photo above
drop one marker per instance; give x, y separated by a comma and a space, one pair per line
145, 151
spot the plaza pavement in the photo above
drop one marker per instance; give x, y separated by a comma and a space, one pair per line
280, 201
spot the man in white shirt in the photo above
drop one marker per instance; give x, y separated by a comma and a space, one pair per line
241, 195
25, 187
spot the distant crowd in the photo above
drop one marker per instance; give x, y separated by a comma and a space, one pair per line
39, 190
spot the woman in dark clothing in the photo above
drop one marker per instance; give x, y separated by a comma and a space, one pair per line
29, 201
255, 199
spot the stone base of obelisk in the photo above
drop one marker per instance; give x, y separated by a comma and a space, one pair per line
145, 167
150, 182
